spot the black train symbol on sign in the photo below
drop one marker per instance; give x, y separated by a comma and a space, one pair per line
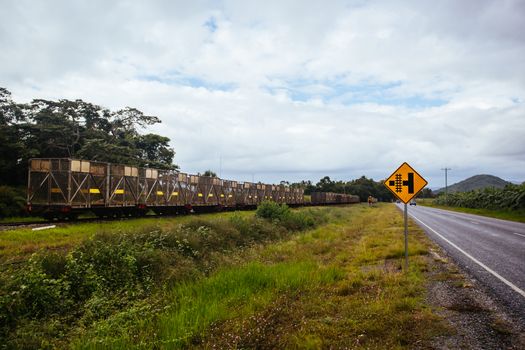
399, 183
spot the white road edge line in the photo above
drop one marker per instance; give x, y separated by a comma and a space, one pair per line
494, 273
519, 234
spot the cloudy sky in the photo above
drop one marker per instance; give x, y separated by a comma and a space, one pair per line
291, 90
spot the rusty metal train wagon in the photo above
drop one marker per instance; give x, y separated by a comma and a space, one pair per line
64, 187
327, 198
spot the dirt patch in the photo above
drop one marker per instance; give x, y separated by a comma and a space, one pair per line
475, 320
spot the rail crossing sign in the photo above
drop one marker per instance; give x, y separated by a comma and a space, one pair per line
405, 183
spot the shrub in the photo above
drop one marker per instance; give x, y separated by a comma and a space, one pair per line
12, 201
111, 258
272, 210
109, 272
298, 221
241, 224
35, 293
283, 215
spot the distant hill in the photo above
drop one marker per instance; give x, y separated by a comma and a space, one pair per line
476, 182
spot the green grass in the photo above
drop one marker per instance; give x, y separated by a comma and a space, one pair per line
123, 272
12, 219
18, 244
511, 215
371, 304
339, 284
231, 292
245, 290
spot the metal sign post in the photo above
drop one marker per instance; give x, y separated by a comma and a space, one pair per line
405, 183
406, 237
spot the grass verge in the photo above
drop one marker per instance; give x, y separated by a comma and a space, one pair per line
338, 285
511, 215
18, 244
57, 295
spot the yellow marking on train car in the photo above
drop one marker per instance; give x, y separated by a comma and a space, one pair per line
160, 193
91, 190
175, 193
200, 195
56, 190
120, 191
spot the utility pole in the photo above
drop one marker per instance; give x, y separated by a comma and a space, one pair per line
446, 184
220, 166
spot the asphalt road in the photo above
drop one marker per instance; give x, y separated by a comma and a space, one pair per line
491, 250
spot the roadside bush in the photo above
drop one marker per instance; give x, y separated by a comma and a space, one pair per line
298, 221
111, 258
281, 213
12, 202
33, 293
110, 272
272, 210
242, 225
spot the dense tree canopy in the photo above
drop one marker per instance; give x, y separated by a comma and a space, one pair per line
209, 173
362, 187
64, 128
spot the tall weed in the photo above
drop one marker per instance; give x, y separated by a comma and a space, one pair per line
281, 213
112, 271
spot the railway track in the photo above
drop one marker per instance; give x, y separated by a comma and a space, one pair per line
29, 224
43, 223
39, 223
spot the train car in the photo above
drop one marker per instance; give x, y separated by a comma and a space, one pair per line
66, 187
327, 198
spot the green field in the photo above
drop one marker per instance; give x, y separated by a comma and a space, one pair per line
308, 278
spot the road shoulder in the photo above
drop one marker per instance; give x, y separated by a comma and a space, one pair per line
475, 319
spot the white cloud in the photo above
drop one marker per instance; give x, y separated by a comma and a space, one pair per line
291, 90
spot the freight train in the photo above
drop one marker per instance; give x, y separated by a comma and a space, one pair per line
65, 187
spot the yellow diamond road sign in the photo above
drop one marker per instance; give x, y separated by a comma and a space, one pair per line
405, 183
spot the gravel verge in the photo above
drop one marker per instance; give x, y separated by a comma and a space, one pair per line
476, 320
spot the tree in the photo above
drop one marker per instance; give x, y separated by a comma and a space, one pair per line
155, 151
426, 193
305, 185
325, 185
209, 173
76, 129
12, 149
362, 187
